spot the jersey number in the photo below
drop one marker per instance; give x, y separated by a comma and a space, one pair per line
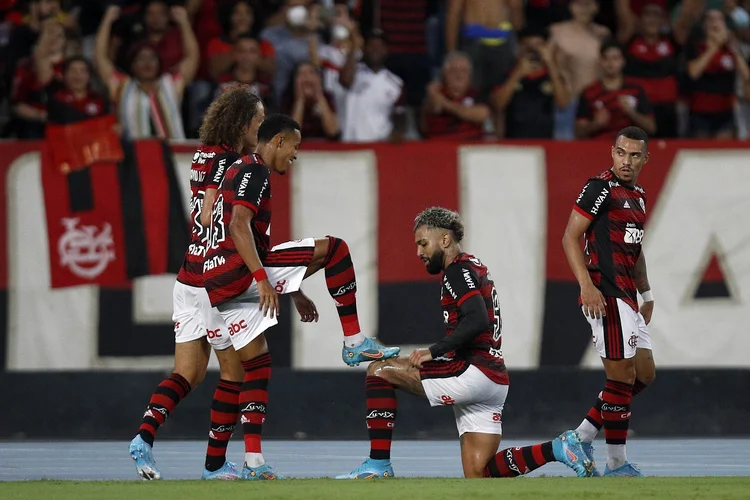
498, 327
197, 226
217, 232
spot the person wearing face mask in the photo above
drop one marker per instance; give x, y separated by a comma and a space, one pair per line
290, 42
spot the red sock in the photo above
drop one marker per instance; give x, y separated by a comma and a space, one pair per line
342, 284
594, 416
381, 416
512, 462
225, 409
616, 398
163, 401
254, 399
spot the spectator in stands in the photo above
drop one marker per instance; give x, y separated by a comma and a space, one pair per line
290, 42
714, 62
310, 106
330, 58
652, 56
375, 100
451, 108
245, 70
578, 42
533, 89
612, 102
484, 30
404, 22
221, 51
148, 98
29, 95
150, 26
74, 99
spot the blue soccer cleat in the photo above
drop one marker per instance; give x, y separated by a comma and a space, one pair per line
369, 350
370, 469
145, 465
261, 473
567, 449
625, 470
227, 472
588, 449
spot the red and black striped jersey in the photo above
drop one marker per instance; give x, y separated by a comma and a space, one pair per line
465, 277
246, 182
613, 240
207, 171
654, 67
596, 96
714, 90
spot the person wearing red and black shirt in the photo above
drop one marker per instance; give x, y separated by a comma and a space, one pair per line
246, 69
244, 276
612, 102
309, 105
465, 369
451, 109
713, 65
609, 215
532, 91
73, 100
653, 58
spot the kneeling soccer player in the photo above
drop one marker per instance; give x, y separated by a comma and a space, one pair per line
465, 370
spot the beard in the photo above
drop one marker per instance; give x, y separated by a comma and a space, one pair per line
435, 264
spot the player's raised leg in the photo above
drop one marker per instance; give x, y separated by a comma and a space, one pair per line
332, 254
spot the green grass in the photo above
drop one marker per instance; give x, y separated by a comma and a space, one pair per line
548, 488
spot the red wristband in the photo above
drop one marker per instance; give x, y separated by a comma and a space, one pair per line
260, 275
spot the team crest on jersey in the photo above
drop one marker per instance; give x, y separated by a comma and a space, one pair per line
643, 204
727, 62
85, 250
631, 100
663, 49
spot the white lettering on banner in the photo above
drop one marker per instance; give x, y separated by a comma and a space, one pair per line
85, 250
495, 182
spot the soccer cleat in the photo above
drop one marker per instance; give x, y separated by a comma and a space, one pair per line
145, 465
625, 470
370, 469
227, 472
369, 350
588, 449
567, 449
261, 473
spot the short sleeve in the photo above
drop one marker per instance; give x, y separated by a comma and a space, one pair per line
218, 168
267, 49
217, 46
249, 185
593, 198
584, 108
460, 282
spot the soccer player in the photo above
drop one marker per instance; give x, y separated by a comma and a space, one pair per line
610, 213
244, 276
231, 124
465, 370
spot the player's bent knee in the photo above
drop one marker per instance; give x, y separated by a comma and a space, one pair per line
375, 367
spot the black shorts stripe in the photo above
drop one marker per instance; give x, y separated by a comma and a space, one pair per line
614, 345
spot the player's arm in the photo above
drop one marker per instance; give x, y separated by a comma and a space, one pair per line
589, 204
245, 206
476, 113
474, 319
644, 288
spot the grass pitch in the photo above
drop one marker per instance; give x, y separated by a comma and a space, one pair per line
412, 489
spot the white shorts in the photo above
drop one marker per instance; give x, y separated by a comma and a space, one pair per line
477, 401
194, 317
620, 332
243, 315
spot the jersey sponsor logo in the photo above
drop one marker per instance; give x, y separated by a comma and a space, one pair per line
253, 407
85, 250
381, 414
213, 334
449, 287
447, 400
497, 417
614, 184
214, 262
197, 250
197, 176
176, 326
643, 204
280, 286
583, 191
200, 157
633, 235
262, 190
469, 280
223, 428
220, 171
243, 184
599, 200
237, 327
344, 289
510, 461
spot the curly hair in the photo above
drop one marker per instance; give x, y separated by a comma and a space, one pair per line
228, 117
441, 218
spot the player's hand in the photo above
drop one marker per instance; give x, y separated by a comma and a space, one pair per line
601, 118
269, 299
180, 15
111, 14
305, 307
526, 66
416, 358
593, 302
647, 310
626, 103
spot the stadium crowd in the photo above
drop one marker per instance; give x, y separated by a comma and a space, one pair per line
416, 69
